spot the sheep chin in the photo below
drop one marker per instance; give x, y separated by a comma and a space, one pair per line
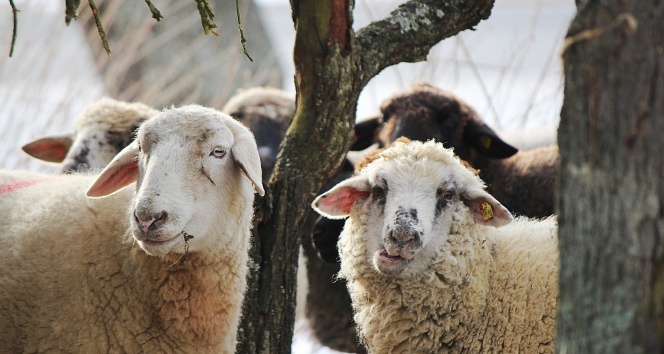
160, 248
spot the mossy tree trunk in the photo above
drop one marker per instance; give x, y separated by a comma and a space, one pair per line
611, 190
333, 64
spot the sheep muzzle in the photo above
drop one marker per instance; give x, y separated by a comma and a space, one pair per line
403, 238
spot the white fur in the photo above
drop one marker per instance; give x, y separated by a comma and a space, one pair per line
73, 282
424, 276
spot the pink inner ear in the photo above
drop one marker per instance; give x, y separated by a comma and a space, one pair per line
119, 178
343, 199
498, 218
51, 150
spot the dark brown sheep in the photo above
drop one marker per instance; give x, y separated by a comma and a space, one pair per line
267, 112
523, 182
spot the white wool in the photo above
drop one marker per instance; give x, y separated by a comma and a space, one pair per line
468, 287
86, 275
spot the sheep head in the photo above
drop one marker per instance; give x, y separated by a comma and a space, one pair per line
194, 169
409, 198
425, 112
101, 130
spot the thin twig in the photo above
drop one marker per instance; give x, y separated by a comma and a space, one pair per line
100, 27
183, 257
239, 23
155, 12
207, 15
626, 20
14, 11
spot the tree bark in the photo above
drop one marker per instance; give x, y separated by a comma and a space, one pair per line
611, 184
332, 67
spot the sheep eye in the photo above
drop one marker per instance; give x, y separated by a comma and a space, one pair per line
218, 152
446, 194
378, 192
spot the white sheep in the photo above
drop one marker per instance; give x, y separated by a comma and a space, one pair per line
101, 130
436, 264
158, 270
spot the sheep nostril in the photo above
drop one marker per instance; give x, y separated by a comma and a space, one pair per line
150, 222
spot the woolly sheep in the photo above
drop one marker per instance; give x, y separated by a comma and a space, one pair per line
158, 270
524, 182
267, 112
101, 130
436, 264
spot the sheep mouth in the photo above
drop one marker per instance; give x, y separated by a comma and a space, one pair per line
393, 263
392, 257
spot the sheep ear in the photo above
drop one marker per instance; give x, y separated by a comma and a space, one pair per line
338, 201
50, 148
486, 141
245, 153
120, 172
365, 132
485, 208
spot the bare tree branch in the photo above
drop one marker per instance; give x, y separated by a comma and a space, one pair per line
100, 27
332, 67
239, 24
416, 26
14, 12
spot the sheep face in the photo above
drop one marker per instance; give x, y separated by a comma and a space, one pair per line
186, 162
409, 199
94, 147
425, 112
267, 112
102, 129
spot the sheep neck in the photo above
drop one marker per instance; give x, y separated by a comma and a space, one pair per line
432, 309
489, 289
196, 303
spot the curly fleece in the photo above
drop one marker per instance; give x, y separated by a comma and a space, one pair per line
72, 280
488, 290
117, 116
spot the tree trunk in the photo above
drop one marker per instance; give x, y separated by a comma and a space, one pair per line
611, 184
333, 65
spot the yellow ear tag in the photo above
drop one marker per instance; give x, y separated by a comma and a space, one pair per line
485, 141
487, 211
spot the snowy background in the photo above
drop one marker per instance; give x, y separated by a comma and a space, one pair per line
509, 69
